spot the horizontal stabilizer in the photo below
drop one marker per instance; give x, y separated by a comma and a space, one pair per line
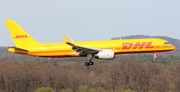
17, 50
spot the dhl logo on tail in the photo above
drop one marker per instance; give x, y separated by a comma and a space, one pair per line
21, 36
137, 45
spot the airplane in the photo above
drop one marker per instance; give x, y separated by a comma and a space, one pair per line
101, 49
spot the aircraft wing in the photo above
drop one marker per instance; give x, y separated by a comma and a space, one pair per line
83, 50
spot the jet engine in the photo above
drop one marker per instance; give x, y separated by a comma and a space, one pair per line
105, 54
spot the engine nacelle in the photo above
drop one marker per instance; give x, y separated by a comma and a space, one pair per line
105, 54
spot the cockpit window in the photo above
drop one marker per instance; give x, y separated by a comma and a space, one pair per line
166, 43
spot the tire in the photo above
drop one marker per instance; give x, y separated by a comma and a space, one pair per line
86, 64
91, 63
154, 60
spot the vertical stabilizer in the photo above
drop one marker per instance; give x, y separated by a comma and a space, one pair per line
20, 37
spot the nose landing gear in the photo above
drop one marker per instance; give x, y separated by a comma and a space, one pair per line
155, 56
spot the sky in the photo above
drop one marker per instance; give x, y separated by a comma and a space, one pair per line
84, 20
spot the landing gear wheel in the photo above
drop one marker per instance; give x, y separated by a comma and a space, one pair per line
154, 60
91, 63
86, 63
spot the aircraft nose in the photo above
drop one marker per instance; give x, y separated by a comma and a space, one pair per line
173, 47
169, 47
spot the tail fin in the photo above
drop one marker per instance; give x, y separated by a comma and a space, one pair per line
20, 37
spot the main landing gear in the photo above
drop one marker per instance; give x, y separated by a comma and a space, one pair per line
155, 56
90, 62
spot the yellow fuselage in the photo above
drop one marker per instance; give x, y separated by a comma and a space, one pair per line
118, 46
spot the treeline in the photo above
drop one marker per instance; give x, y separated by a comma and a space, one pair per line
115, 76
